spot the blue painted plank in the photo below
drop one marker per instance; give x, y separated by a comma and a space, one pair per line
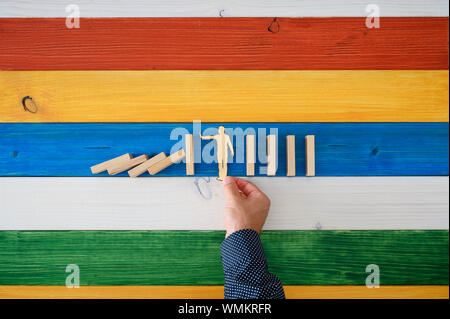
342, 149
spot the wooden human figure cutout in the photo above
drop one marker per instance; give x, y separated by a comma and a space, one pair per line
223, 143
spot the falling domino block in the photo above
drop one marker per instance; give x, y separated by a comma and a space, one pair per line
271, 155
310, 156
174, 158
290, 152
189, 146
126, 165
140, 169
250, 152
112, 162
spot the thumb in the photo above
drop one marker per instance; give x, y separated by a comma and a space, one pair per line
230, 188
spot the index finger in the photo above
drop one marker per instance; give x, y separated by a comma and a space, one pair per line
246, 187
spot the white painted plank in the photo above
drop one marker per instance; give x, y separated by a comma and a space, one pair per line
224, 8
115, 203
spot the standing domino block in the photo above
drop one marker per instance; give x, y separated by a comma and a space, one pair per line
112, 162
290, 153
250, 143
271, 155
174, 158
140, 169
310, 155
126, 165
189, 146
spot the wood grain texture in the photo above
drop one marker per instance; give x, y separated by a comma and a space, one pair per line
183, 203
342, 149
224, 44
142, 168
290, 155
168, 161
126, 165
170, 258
101, 167
216, 292
250, 154
189, 149
310, 154
226, 96
218, 8
272, 155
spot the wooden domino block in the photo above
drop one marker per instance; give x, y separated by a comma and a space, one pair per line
140, 169
126, 165
174, 158
310, 155
290, 153
189, 147
250, 153
112, 162
271, 155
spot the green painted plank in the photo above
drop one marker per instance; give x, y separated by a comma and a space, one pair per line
193, 257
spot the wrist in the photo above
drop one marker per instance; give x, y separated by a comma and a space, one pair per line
233, 230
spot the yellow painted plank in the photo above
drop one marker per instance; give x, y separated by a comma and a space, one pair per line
216, 292
362, 292
225, 96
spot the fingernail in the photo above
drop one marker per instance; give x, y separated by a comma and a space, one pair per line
227, 180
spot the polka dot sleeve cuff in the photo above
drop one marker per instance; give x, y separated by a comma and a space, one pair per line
245, 268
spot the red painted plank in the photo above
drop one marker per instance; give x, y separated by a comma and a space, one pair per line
223, 43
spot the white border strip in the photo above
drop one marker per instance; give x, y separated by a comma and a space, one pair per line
224, 8
179, 203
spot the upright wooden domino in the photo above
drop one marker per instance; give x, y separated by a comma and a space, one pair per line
250, 154
107, 164
310, 155
126, 165
271, 155
189, 147
174, 158
140, 169
290, 154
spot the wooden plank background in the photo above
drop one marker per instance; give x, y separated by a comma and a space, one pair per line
342, 149
228, 43
216, 292
193, 257
411, 49
184, 203
225, 96
219, 8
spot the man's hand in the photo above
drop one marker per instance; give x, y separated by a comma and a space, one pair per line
246, 206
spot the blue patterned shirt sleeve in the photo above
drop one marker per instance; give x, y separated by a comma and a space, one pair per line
245, 268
